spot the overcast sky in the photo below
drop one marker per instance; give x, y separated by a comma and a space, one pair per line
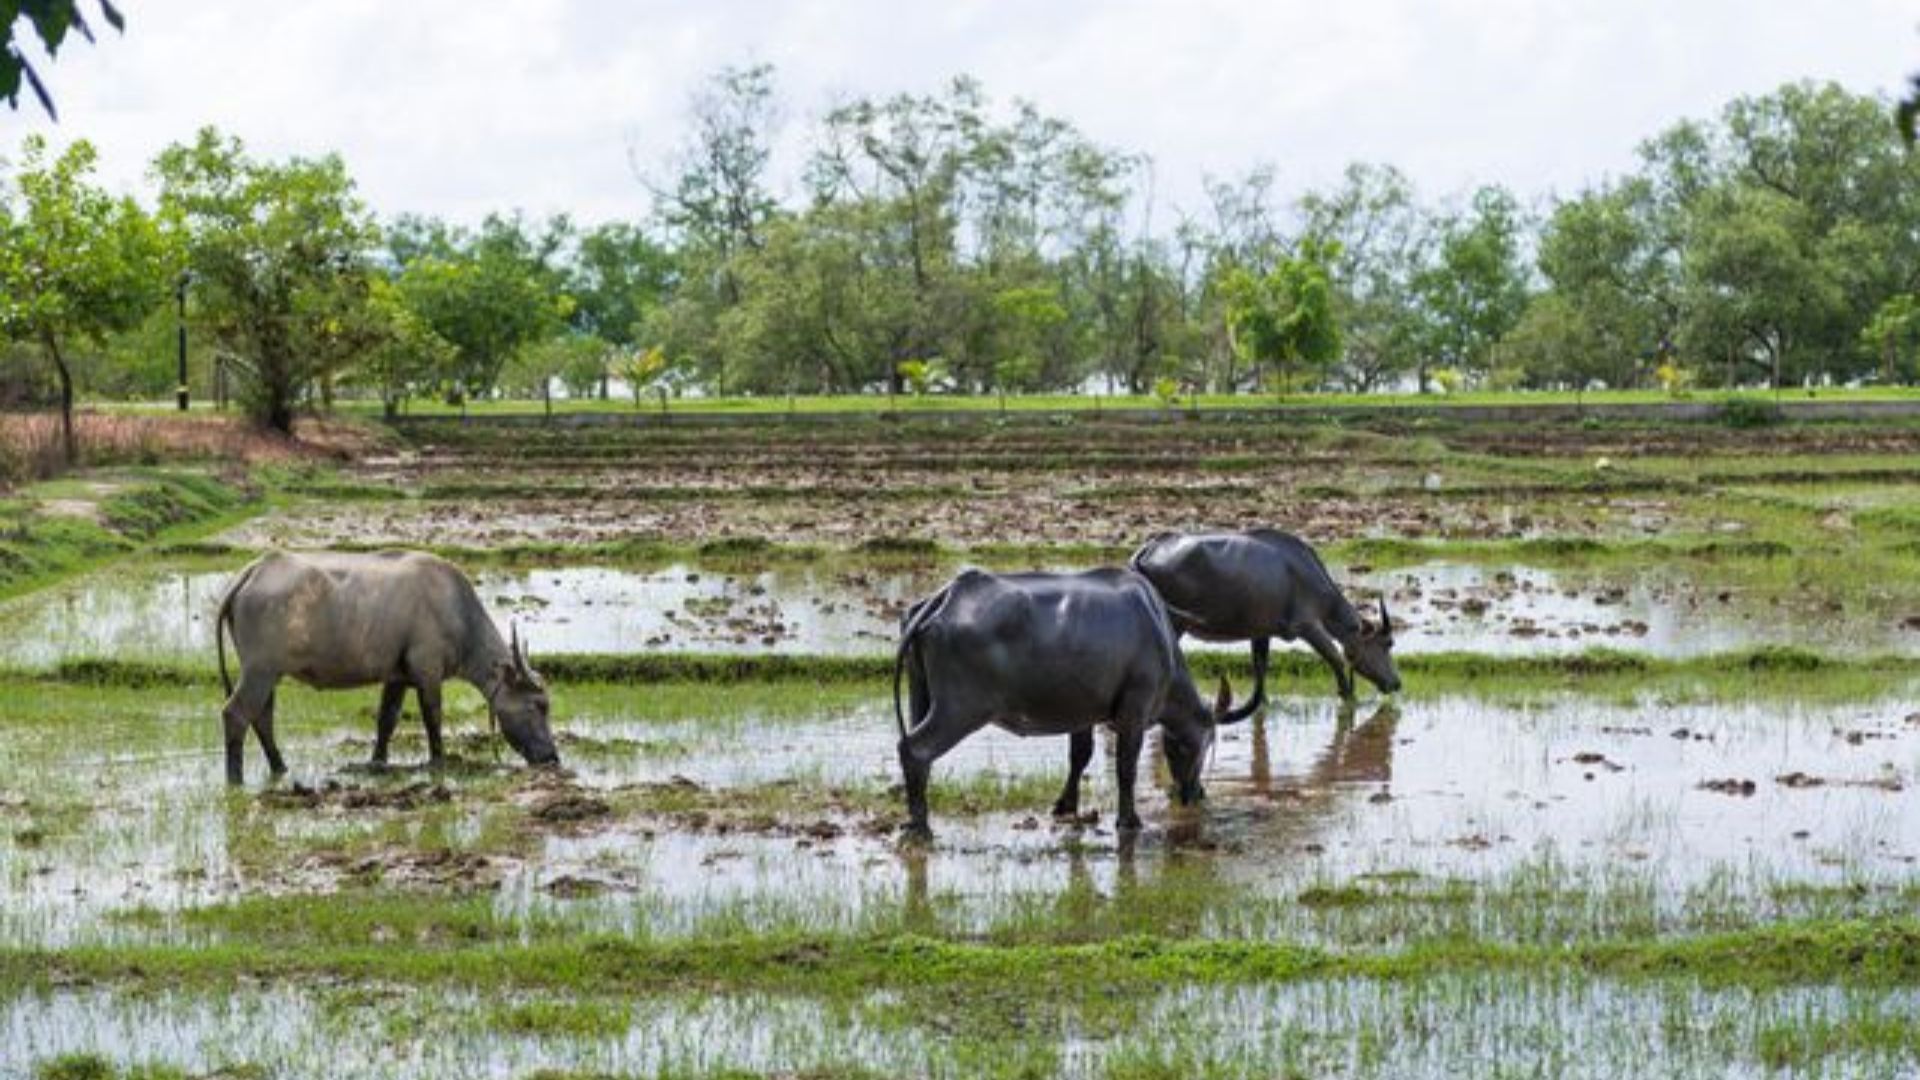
457, 107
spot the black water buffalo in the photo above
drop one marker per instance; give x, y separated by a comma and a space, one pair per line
1262, 584
1050, 654
397, 619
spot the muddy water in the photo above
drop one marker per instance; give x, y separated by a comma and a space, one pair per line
846, 607
1555, 1025
1676, 800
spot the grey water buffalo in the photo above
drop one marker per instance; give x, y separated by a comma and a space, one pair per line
1262, 584
396, 619
1050, 654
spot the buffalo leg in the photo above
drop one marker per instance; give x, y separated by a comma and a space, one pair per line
249, 699
392, 695
429, 695
1261, 650
1079, 752
1322, 642
919, 749
1126, 767
263, 727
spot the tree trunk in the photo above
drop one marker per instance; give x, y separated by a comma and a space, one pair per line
69, 449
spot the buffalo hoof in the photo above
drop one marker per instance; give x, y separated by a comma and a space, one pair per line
1194, 797
1064, 809
916, 834
1128, 823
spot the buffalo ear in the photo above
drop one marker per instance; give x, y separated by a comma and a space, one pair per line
1223, 701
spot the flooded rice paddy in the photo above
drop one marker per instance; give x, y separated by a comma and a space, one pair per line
1440, 884
850, 607
779, 810
1457, 1025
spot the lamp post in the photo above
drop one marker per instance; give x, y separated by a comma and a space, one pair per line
180, 295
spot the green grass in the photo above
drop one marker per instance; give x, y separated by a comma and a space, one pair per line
872, 403
128, 512
1869, 952
1762, 671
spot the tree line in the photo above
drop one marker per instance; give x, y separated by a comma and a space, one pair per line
949, 242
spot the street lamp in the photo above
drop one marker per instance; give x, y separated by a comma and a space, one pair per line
180, 294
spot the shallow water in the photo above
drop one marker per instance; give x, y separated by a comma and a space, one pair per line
1589, 794
1554, 1024
849, 608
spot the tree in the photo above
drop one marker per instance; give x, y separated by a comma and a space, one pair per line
617, 276
1613, 281
279, 254
651, 370
1893, 333
76, 264
1476, 288
1382, 241
50, 21
1803, 220
402, 356
1285, 318
1554, 344
490, 296
576, 361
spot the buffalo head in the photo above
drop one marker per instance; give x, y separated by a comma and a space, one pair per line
1371, 652
519, 704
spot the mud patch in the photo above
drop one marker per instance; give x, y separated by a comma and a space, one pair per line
335, 795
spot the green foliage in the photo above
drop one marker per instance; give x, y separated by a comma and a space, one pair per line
1776, 241
1285, 318
618, 275
1673, 379
924, 376
279, 254
1167, 389
489, 294
576, 361
399, 355
76, 264
652, 370
1380, 243
1892, 334
1749, 412
51, 21
1475, 290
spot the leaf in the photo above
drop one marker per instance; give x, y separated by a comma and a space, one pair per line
39, 88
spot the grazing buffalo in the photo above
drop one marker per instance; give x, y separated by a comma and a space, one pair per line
1050, 654
397, 619
1261, 584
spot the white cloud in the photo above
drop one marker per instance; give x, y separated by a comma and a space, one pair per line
455, 108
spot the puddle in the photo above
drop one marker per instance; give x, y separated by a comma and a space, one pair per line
846, 607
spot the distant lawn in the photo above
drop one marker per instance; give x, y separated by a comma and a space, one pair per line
879, 403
